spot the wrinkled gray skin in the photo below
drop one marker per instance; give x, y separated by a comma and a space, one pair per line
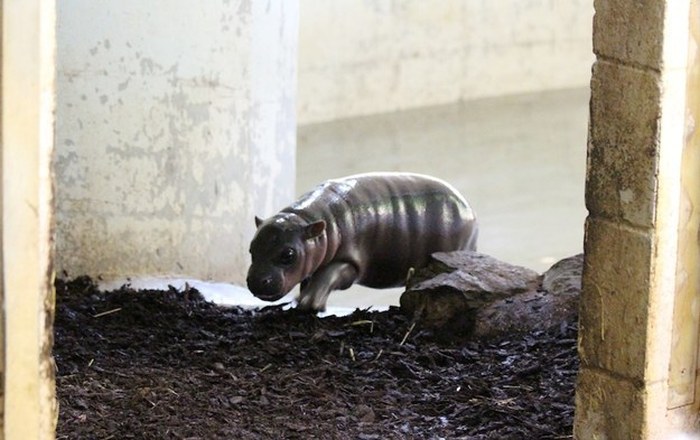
368, 229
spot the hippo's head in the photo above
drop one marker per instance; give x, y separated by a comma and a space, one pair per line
280, 253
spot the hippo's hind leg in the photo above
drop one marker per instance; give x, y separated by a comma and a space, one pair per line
334, 276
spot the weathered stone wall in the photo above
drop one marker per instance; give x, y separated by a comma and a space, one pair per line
175, 126
636, 136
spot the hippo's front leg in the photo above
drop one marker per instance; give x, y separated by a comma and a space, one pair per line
334, 276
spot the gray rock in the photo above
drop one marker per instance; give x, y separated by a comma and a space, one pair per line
469, 271
454, 284
564, 278
548, 307
476, 295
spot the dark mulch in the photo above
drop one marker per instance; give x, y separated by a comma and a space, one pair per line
169, 365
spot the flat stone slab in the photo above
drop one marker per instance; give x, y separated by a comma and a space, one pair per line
469, 271
472, 294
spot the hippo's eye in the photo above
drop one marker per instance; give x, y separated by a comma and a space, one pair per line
287, 256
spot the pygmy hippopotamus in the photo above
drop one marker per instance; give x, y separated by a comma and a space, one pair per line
369, 229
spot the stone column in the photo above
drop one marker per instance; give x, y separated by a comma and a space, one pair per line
175, 127
639, 239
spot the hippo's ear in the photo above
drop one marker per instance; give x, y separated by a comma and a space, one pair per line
258, 221
314, 229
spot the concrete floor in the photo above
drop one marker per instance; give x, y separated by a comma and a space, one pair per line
519, 160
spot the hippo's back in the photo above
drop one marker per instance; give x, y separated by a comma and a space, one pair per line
386, 223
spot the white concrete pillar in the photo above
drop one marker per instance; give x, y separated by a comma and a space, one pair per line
28, 392
175, 126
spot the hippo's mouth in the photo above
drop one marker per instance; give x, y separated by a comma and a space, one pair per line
268, 297
265, 292
267, 287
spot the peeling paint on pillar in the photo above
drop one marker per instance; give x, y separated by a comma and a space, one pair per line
175, 126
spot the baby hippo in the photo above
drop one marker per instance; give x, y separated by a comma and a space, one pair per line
369, 229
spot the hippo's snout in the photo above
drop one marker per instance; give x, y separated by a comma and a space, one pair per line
264, 288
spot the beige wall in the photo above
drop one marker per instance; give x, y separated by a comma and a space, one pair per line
175, 126
360, 57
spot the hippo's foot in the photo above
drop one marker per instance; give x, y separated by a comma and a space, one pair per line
334, 276
309, 305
